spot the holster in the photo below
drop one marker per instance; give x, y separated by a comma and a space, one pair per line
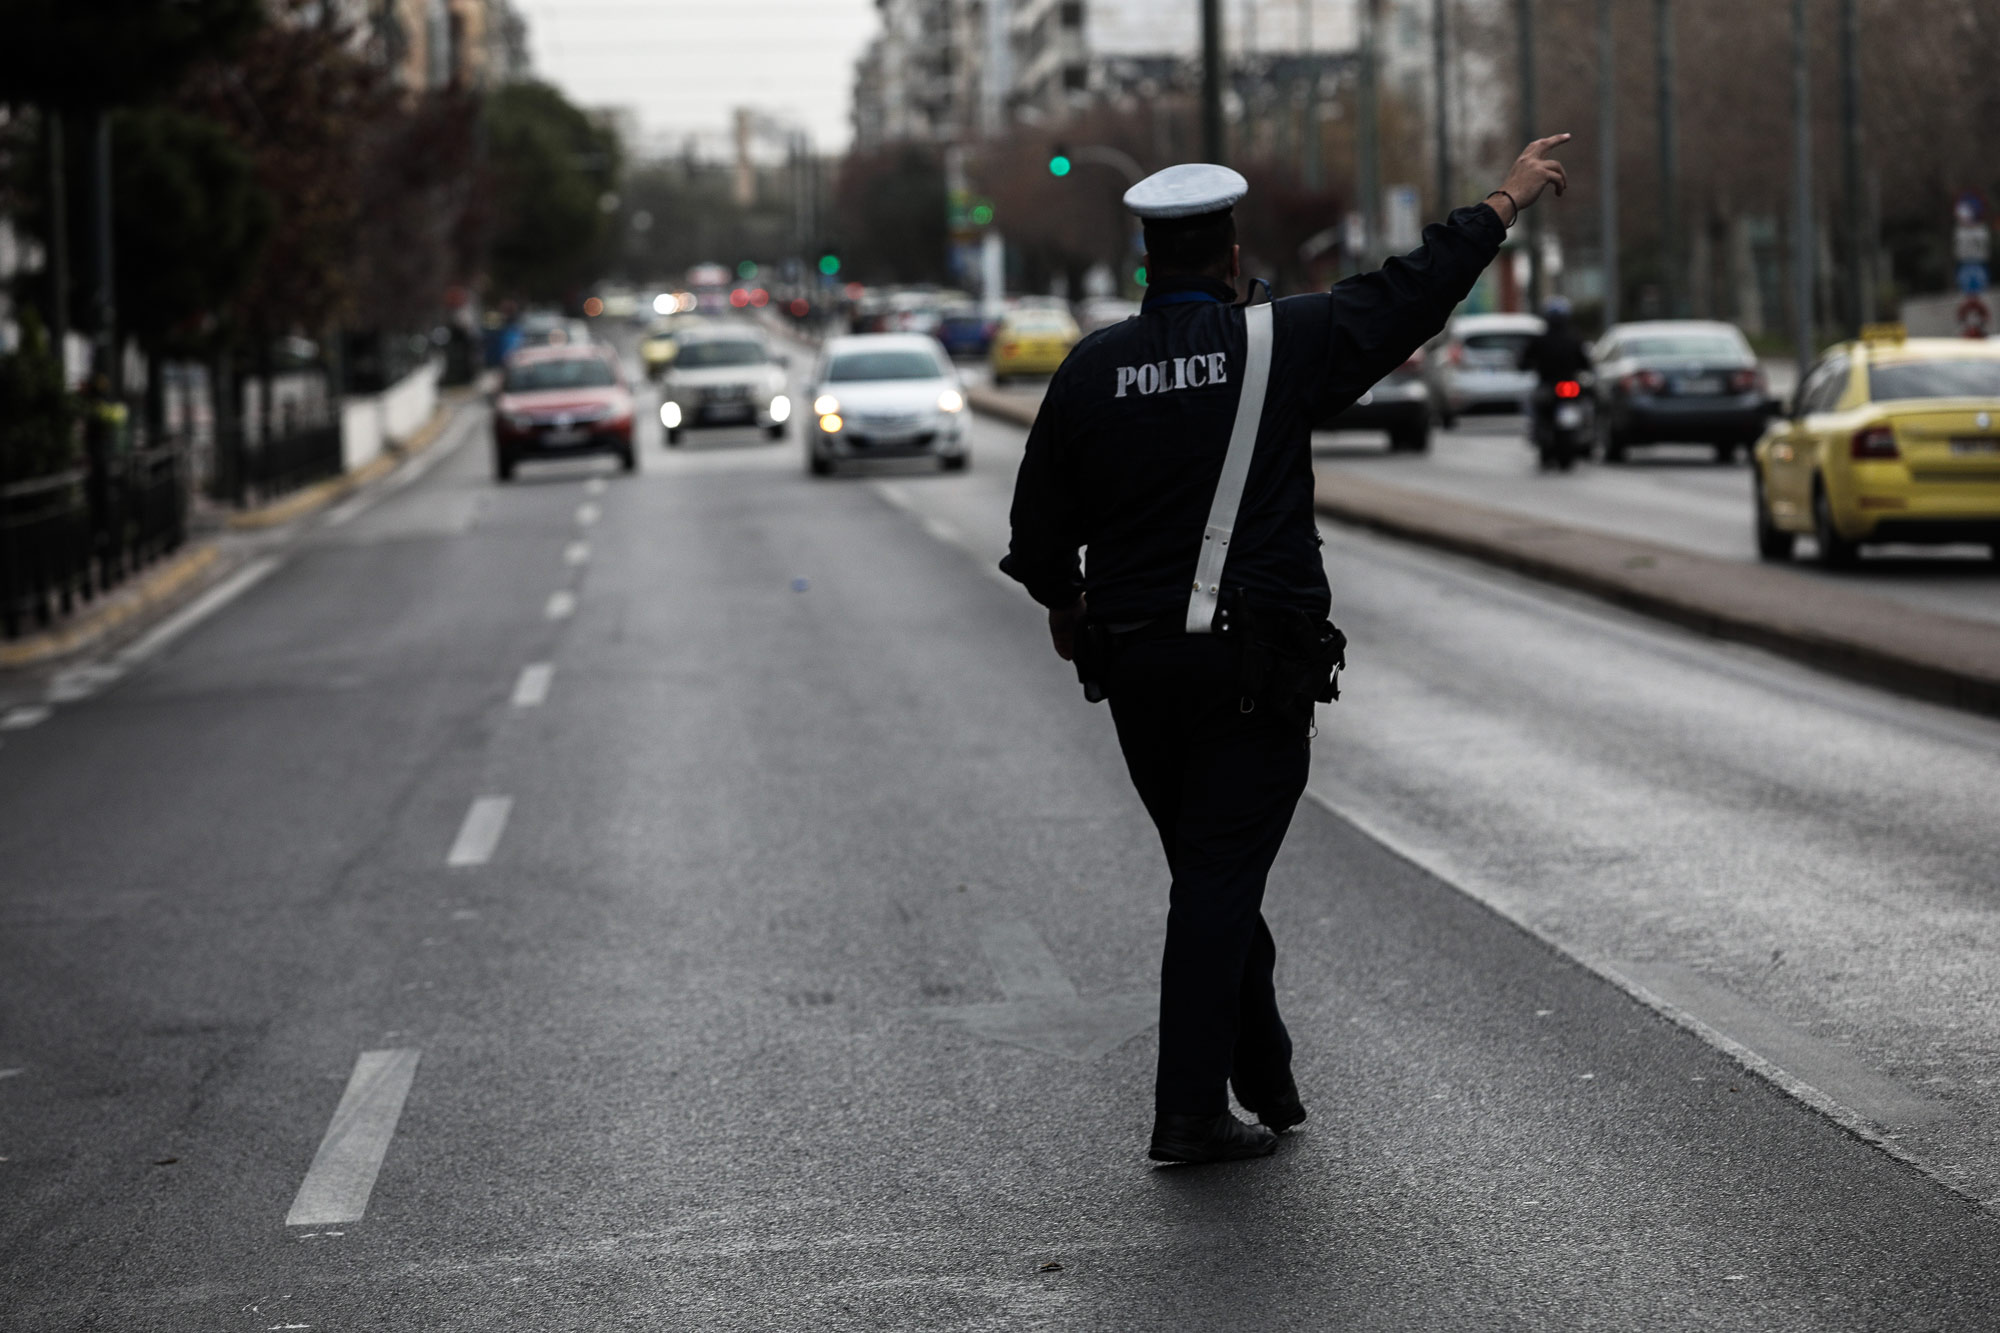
1286, 660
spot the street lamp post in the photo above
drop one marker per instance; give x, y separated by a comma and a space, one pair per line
1802, 222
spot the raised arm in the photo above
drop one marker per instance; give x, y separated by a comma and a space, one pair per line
1379, 319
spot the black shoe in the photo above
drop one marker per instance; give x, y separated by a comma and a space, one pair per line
1208, 1138
1278, 1109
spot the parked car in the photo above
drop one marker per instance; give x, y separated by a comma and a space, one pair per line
1474, 366
1678, 381
1400, 403
1031, 341
1888, 440
885, 395
561, 401
724, 375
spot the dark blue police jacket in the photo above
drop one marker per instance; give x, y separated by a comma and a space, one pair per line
1125, 452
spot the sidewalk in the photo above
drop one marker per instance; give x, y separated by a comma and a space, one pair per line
1849, 633
206, 559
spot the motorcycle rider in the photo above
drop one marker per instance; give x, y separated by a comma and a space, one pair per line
1555, 355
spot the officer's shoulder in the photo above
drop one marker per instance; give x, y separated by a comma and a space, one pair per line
1110, 334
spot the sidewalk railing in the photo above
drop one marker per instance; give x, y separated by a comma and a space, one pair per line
68, 538
248, 473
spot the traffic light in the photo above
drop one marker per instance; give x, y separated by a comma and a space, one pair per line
1059, 161
747, 269
829, 264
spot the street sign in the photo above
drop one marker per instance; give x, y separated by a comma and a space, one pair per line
1974, 317
1972, 243
1970, 206
1402, 218
1972, 278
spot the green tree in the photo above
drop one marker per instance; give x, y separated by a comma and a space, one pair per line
36, 438
550, 168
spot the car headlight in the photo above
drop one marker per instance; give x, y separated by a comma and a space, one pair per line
826, 405
781, 410
830, 423
670, 414
951, 400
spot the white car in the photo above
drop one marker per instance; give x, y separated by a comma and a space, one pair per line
1475, 365
885, 395
724, 375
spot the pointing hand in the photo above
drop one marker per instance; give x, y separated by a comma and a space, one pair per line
1533, 171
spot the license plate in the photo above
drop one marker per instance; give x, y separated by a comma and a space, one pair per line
1978, 444
729, 412
567, 435
1568, 417
1700, 384
728, 393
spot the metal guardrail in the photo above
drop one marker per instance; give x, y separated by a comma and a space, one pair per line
247, 473
68, 538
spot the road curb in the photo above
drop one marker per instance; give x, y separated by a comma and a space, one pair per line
203, 562
1855, 634
311, 499
159, 588
999, 403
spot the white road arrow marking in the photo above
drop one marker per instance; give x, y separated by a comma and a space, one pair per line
1042, 1011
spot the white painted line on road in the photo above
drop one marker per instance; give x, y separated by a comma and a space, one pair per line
587, 514
480, 833
533, 688
941, 530
24, 716
349, 509
595, 486
200, 609
12, 1073
562, 604
81, 682
343, 1171
577, 553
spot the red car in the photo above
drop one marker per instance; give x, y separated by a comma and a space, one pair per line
560, 402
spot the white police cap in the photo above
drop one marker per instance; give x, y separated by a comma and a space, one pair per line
1185, 191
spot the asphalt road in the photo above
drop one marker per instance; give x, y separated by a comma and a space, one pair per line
711, 905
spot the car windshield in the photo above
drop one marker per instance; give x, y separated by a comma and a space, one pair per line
888, 364
1670, 346
699, 355
573, 372
1495, 349
1934, 379
1037, 324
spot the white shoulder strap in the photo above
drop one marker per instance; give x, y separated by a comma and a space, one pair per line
1235, 470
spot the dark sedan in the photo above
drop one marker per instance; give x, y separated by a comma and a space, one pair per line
1678, 382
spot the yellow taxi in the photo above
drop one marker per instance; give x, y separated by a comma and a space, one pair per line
661, 345
1890, 439
1031, 341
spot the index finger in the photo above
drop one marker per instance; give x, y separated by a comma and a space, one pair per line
1541, 146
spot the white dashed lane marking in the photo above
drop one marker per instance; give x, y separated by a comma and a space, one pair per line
27, 715
587, 514
562, 604
343, 1171
480, 833
533, 687
577, 553
595, 486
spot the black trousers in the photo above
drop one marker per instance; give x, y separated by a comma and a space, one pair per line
1221, 786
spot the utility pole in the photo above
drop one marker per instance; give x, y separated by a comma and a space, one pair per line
1670, 223
1441, 112
1607, 157
1802, 221
104, 303
1310, 165
58, 260
1529, 132
1211, 80
1368, 132
1858, 236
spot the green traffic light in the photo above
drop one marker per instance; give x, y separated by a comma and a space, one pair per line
982, 214
829, 264
1059, 165
1139, 275
747, 269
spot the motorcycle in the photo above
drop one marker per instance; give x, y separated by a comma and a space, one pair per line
1562, 427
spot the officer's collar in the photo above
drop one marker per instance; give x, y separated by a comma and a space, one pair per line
1189, 289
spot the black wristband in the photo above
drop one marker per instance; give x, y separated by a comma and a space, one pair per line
1510, 199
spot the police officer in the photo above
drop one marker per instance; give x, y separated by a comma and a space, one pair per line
1176, 447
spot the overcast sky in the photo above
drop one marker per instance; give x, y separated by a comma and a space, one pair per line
685, 65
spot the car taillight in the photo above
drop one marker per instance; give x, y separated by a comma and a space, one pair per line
1008, 349
1645, 381
1569, 389
1746, 381
1456, 355
1875, 442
